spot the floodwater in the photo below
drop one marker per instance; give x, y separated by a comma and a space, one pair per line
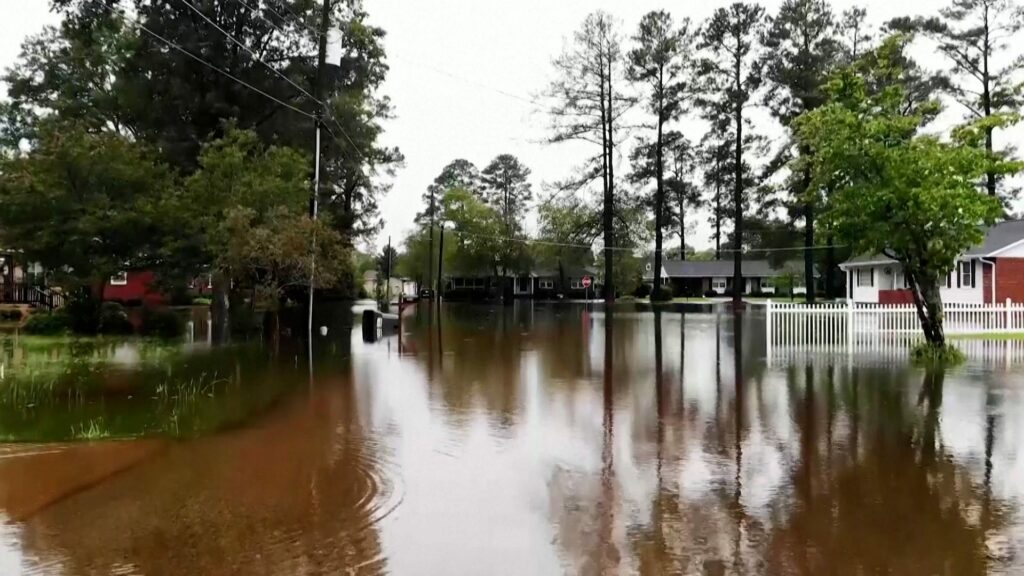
529, 439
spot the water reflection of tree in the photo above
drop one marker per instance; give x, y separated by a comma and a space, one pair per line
896, 503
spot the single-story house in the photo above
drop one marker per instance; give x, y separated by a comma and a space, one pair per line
700, 277
544, 283
550, 283
991, 271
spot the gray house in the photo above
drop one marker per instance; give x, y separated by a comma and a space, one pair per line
700, 277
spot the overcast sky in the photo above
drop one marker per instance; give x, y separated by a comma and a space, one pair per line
463, 73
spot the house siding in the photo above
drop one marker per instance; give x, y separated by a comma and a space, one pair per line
1009, 279
140, 287
888, 281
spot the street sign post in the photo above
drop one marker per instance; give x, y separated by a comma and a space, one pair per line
586, 281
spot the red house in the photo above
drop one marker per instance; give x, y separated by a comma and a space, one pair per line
139, 286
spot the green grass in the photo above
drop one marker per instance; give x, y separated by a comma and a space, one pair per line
991, 336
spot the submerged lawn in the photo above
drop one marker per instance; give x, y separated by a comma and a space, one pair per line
65, 388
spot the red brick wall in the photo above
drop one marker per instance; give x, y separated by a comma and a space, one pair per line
1009, 279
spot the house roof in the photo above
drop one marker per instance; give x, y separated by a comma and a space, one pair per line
724, 268
570, 272
998, 237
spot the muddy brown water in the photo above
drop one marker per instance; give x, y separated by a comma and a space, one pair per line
542, 439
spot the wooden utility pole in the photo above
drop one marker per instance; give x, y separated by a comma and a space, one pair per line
387, 290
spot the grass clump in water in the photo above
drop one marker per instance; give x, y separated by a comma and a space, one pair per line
933, 355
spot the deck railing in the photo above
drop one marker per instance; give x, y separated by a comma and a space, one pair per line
22, 293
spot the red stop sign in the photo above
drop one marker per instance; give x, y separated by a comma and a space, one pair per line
586, 281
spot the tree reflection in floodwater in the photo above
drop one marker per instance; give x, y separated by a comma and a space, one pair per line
547, 439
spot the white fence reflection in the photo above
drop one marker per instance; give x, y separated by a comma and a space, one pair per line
885, 332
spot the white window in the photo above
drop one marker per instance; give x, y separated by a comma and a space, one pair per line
865, 277
209, 281
966, 275
577, 285
718, 284
547, 284
119, 279
767, 282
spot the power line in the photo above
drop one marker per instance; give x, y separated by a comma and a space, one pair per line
264, 18
246, 48
216, 68
251, 53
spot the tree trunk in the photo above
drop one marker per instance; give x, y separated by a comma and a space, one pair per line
986, 100
925, 290
609, 197
737, 199
830, 264
808, 236
659, 204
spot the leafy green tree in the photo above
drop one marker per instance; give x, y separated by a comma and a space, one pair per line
975, 36
101, 68
897, 191
73, 72
589, 103
731, 74
801, 50
682, 193
568, 229
272, 252
237, 170
660, 61
507, 188
81, 203
476, 229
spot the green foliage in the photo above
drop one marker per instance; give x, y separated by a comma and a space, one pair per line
273, 250
662, 294
507, 189
113, 319
162, 323
928, 354
11, 315
81, 203
896, 191
47, 323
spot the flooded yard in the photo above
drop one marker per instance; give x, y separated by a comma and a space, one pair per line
520, 439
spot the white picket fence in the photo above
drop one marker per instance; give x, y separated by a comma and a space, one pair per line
849, 325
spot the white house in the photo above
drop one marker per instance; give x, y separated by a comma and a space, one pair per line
989, 272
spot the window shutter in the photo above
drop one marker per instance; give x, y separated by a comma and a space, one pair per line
872, 276
974, 281
959, 272
949, 280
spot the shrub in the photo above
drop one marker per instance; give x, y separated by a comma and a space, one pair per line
710, 294
662, 294
928, 354
162, 322
363, 294
642, 291
48, 323
201, 301
11, 315
83, 313
113, 319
